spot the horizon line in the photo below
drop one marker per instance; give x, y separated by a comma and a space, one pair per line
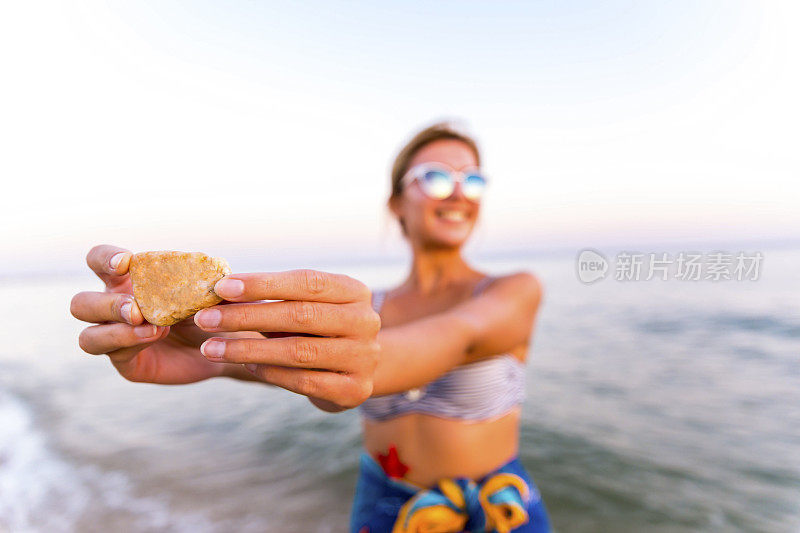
351, 256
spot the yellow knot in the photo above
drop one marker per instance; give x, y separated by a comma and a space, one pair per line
498, 504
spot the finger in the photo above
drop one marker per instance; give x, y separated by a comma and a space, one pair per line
124, 358
109, 262
290, 316
310, 285
340, 355
342, 389
105, 307
107, 338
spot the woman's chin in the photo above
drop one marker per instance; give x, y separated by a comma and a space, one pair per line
449, 239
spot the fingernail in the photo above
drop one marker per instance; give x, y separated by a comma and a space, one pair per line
213, 349
208, 318
115, 260
229, 288
145, 331
125, 311
251, 367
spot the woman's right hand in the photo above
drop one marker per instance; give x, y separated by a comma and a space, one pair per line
138, 350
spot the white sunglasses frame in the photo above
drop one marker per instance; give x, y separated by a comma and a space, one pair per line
459, 176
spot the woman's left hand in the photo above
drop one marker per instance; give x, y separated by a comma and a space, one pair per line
324, 344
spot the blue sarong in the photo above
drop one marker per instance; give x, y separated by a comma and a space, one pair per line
505, 500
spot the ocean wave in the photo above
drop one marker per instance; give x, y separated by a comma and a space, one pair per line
43, 491
726, 321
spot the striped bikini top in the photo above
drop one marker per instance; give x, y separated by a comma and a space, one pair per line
477, 391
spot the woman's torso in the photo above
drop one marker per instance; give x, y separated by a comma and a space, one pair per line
435, 445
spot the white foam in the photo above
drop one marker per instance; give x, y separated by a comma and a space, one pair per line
42, 491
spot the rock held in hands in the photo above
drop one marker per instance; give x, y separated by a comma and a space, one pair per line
171, 286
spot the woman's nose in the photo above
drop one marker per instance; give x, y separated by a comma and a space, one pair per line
458, 192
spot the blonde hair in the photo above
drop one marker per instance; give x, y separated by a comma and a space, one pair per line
435, 132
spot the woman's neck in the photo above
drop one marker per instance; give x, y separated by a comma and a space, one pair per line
435, 269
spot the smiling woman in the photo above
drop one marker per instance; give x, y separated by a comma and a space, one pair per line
436, 364
441, 429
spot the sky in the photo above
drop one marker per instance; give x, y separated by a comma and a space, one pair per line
271, 127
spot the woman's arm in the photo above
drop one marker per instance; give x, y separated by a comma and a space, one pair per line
330, 358
322, 340
499, 319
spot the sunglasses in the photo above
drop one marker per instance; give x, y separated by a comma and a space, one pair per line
439, 182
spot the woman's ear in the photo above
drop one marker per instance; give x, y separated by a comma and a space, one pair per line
394, 207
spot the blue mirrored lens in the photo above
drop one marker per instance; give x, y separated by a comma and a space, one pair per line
438, 184
473, 186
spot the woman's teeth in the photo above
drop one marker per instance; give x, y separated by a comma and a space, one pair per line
452, 216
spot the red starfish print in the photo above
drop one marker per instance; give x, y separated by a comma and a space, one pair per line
391, 463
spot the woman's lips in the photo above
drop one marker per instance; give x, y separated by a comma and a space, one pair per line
452, 215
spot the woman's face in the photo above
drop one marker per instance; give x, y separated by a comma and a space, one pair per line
438, 223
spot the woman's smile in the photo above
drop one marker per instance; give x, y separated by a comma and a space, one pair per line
452, 215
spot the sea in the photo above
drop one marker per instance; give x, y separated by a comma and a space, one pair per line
652, 406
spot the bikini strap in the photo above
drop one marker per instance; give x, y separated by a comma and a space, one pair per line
378, 296
482, 284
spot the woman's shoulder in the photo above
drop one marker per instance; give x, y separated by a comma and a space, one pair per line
522, 287
523, 282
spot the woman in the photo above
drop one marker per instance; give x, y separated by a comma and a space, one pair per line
450, 378
439, 375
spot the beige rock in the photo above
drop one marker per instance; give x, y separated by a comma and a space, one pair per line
171, 286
